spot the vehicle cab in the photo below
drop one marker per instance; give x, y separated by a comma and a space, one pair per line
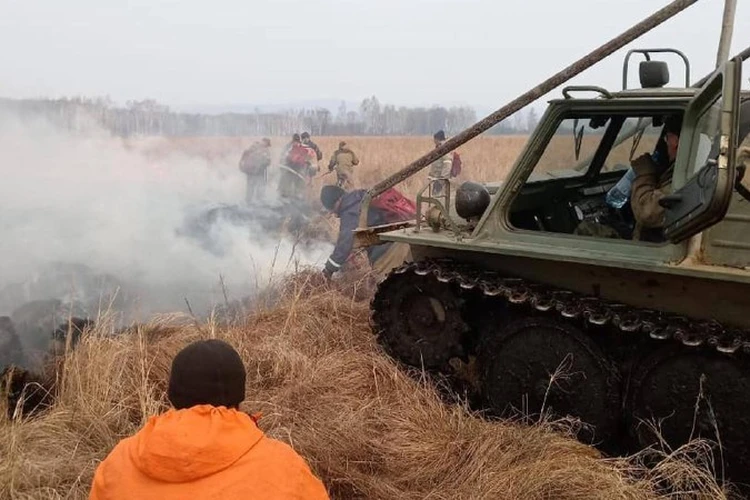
558, 199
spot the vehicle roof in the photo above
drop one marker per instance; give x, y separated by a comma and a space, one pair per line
677, 93
661, 92
672, 94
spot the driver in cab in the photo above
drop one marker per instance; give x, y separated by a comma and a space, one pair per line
653, 177
651, 180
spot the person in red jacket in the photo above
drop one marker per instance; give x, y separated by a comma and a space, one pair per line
204, 447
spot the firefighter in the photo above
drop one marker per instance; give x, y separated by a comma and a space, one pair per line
254, 164
204, 446
295, 165
315, 154
346, 206
343, 161
310, 144
284, 152
440, 168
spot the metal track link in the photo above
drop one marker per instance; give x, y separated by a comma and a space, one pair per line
596, 311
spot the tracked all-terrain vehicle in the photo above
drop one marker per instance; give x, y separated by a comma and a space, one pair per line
511, 290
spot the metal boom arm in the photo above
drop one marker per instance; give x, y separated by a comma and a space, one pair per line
520, 102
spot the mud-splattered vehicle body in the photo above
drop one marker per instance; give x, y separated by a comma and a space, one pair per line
512, 294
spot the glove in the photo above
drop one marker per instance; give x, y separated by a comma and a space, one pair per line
644, 165
327, 274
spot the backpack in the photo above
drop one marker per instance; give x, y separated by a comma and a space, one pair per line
395, 206
456, 164
246, 165
252, 161
298, 156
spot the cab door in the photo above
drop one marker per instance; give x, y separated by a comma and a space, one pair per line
705, 167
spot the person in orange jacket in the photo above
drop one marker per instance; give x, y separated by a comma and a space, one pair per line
204, 447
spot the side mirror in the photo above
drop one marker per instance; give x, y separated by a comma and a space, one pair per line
653, 74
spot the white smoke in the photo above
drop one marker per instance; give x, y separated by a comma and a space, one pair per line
113, 205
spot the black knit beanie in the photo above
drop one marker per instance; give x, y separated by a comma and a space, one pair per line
207, 372
330, 194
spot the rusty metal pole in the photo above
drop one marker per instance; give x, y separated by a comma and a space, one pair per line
727, 28
520, 102
743, 55
695, 243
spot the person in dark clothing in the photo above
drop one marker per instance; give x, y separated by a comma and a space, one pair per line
310, 144
254, 164
346, 206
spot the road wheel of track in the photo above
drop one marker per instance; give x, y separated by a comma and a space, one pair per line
690, 392
418, 319
536, 366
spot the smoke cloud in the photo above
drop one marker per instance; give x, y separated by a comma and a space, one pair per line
89, 205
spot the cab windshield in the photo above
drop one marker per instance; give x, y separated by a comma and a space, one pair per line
571, 185
573, 148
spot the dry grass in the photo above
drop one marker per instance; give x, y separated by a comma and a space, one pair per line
486, 158
316, 374
314, 371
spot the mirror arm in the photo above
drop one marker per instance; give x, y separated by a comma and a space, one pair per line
670, 200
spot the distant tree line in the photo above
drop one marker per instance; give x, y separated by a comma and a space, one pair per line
149, 118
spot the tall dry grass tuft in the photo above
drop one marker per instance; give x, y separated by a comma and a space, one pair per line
316, 374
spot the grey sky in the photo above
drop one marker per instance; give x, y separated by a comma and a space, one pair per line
198, 52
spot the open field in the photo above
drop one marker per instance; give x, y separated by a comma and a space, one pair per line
485, 158
322, 385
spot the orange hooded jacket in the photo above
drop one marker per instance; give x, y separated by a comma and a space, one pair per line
204, 452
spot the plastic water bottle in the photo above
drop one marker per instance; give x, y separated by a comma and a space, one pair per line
620, 192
